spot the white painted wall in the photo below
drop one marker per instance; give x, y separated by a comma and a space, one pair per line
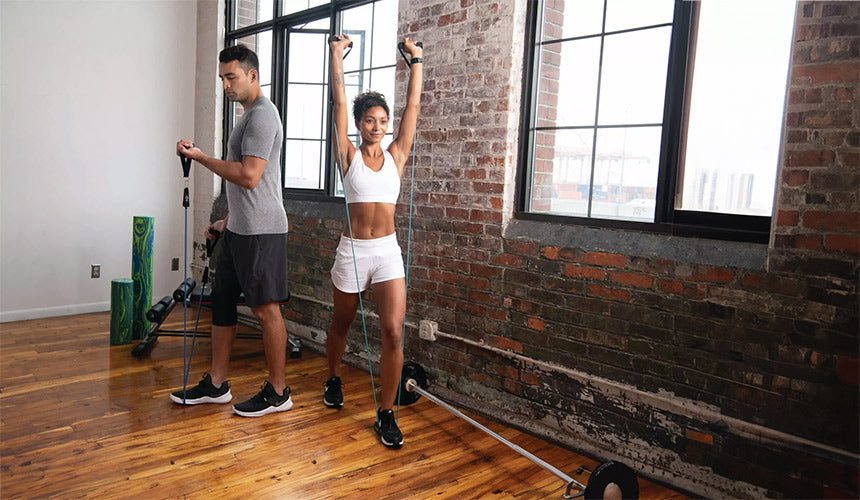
93, 96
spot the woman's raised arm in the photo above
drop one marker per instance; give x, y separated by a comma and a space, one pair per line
340, 109
402, 145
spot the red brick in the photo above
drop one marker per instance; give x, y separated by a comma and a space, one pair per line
848, 370
507, 344
452, 18
536, 324
788, 218
796, 177
717, 274
473, 282
484, 297
831, 221
605, 259
443, 276
826, 73
670, 286
476, 173
485, 216
468, 227
632, 279
841, 242
701, 437
558, 253
810, 158
476, 269
457, 213
507, 259
471, 309
530, 378
849, 159
610, 293
527, 248
498, 314
808, 241
586, 272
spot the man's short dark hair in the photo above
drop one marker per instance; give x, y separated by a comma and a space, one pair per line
246, 57
367, 100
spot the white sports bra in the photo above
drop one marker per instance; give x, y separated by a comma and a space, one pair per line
363, 185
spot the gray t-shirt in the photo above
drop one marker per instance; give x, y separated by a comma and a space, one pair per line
259, 210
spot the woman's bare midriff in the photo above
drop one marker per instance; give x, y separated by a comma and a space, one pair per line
370, 220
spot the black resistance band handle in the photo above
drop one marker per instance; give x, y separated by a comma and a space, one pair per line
402, 48
186, 169
333, 38
186, 165
210, 244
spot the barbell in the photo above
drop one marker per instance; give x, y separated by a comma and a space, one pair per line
611, 480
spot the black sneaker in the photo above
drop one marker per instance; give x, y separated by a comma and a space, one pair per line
386, 427
203, 392
333, 396
266, 401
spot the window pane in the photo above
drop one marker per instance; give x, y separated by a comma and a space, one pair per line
308, 57
358, 24
354, 84
303, 164
261, 43
742, 182
633, 82
305, 107
626, 14
572, 19
382, 81
358, 57
384, 51
625, 173
248, 12
561, 175
577, 95
293, 6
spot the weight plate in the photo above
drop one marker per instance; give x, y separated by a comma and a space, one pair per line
612, 473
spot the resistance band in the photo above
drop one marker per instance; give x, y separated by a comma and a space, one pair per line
401, 46
186, 354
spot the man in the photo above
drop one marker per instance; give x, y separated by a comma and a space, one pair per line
253, 256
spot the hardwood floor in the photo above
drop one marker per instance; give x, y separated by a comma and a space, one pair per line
82, 419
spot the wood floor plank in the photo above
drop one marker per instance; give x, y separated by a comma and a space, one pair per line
80, 418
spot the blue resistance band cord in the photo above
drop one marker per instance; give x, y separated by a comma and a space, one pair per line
408, 245
186, 354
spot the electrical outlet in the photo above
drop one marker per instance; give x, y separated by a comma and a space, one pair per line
174, 264
95, 271
427, 329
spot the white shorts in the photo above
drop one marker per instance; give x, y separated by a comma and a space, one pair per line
377, 260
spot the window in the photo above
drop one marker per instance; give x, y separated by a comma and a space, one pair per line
655, 115
291, 40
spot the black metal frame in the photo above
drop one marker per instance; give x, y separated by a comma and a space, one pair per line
667, 218
279, 26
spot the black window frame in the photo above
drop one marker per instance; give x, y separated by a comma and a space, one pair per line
279, 25
667, 218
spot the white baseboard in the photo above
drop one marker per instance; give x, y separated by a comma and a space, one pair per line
50, 312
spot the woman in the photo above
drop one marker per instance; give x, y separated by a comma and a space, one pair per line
371, 184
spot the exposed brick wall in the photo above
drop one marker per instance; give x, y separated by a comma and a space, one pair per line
776, 348
816, 215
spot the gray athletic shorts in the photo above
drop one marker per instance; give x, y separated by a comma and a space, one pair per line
253, 264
